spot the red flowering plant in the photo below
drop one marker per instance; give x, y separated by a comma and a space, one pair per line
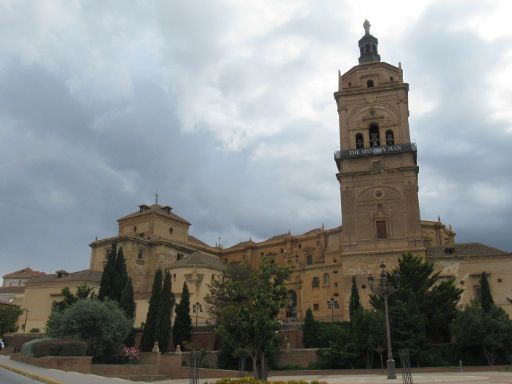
130, 354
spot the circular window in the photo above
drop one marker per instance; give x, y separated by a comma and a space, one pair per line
378, 193
372, 112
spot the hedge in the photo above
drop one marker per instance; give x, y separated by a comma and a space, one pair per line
27, 348
60, 347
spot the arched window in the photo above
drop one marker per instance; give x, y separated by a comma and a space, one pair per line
367, 48
369, 83
309, 259
390, 138
326, 279
359, 141
374, 49
362, 50
316, 282
374, 135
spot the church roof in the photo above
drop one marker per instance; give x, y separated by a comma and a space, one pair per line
195, 240
199, 259
158, 209
25, 273
85, 275
464, 250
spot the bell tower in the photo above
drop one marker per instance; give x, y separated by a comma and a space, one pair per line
377, 167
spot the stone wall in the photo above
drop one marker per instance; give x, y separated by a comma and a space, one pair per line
80, 364
301, 358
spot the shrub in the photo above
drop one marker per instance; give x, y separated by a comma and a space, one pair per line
130, 354
28, 348
102, 324
60, 347
35, 330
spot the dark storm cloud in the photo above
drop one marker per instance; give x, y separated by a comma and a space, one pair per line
228, 114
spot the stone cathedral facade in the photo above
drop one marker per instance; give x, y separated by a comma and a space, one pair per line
377, 171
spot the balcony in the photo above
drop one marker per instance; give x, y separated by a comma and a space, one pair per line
374, 151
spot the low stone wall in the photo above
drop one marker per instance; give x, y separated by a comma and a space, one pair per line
302, 358
80, 364
125, 370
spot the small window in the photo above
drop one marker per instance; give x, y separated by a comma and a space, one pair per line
315, 283
381, 229
374, 135
500, 280
318, 242
171, 230
363, 286
390, 138
374, 48
391, 78
369, 83
335, 284
477, 291
315, 307
359, 141
134, 228
335, 260
326, 279
141, 254
282, 250
349, 84
309, 259
179, 256
300, 246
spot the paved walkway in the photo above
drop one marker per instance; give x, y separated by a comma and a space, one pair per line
55, 376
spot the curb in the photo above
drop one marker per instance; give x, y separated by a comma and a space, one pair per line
32, 376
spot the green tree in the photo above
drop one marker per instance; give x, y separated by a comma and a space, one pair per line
8, 317
486, 299
69, 298
491, 331
120, 276
182, 330
245, 305
127, 302
148, 336
163, 324
107, 276
355, 303
408, 327
436, 300
367, 335
310, 330
102, 324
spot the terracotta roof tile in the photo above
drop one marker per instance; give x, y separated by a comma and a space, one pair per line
25, 273
158, 209
85, 275
464, 250
200, 259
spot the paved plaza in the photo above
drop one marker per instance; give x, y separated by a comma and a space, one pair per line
55, 377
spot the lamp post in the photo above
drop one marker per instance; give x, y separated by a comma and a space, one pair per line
384, 289
332, 303
196, 308
25, 324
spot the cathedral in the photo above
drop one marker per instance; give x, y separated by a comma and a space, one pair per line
377, 171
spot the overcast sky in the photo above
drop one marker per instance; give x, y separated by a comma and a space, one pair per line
225, 108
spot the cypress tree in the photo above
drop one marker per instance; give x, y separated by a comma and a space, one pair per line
163, 324
108, 275
148, 337
183, 322
486, 299
355, 303
127, 302
310, 330
119, 277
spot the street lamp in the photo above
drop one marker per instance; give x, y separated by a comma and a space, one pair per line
384, 290
196, 308
25, 324
332, 303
